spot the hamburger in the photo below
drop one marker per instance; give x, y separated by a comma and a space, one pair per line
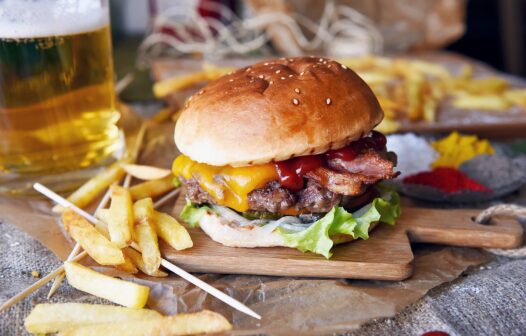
283, 153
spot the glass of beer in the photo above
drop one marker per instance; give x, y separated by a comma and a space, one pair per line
57, 100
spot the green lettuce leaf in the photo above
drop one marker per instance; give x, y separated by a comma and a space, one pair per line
317, 239
192, 214
176, 182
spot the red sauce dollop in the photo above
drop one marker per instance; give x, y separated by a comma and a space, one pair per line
435, 333
291, 171
446, 179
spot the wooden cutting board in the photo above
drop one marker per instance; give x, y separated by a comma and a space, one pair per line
386, 255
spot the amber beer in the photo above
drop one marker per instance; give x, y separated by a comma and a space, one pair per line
57, 103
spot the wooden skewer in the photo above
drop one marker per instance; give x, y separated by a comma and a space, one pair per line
168, 265
103, 202
29, 290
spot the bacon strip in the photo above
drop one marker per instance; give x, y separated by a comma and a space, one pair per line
351, 178
377, 164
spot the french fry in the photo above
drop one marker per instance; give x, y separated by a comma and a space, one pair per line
50, 318
122, 292
102, 225
136, 259
120, 216
145, 235
145, 172
375, 77
430, 69
163, 115
487, 85
481, 102
178, 83
152, 188
414, 100
429, 108
388, 126
213, 72
104, 216
92, 241
202, 322
84, 195
128, 266
516, 96
171, 231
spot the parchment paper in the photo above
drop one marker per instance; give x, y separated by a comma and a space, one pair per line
288, 305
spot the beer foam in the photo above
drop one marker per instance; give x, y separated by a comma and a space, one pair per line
30, 19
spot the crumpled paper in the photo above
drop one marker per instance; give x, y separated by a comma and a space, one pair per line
288, 305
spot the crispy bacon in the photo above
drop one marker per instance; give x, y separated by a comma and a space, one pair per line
371, 163
351, 178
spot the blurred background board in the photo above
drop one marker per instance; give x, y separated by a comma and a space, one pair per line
508, 122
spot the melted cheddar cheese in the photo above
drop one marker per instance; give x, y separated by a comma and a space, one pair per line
229, 186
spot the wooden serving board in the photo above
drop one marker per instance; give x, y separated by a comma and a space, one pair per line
386, 255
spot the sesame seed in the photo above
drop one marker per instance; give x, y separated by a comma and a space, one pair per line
291, 60
278, 71
324, 62
328, 101
266, 63
301, 73
248, 69
201, 92
230, 80
271, 82
343, 66
260, 76
321, 59
290, 76
282, 78
297, 90
328, 66
295, 101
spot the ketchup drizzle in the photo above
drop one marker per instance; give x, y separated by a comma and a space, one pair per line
291, 171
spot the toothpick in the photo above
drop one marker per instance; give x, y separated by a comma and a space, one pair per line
29, 290
166, 198
165, 263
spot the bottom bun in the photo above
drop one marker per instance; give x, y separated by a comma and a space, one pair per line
230, 234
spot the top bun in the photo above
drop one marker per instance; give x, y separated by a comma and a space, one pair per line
275, 110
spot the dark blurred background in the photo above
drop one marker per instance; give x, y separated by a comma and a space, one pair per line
495, 34
490, 31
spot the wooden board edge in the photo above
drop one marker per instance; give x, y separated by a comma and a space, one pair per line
329, 269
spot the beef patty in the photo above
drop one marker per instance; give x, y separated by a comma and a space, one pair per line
323, 189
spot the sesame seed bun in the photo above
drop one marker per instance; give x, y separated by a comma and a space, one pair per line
275, 110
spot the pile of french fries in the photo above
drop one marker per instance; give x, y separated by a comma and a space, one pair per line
126, 236
78, 319
414, 89
407, 89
